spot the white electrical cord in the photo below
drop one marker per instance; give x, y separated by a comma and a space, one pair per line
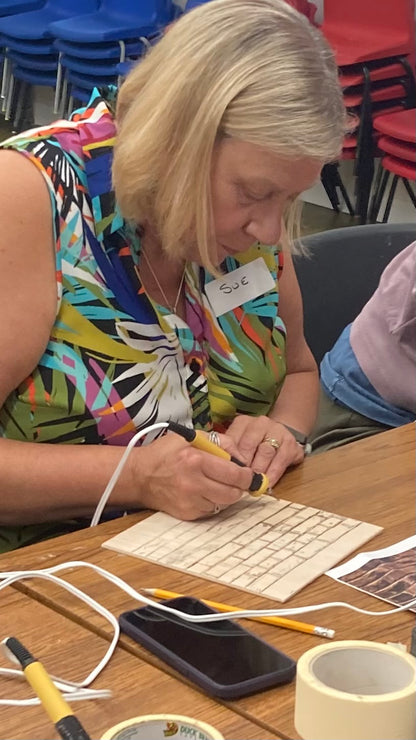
114, 478
71, 690
78, 690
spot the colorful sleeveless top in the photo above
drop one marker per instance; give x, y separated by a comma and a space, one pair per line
115, 361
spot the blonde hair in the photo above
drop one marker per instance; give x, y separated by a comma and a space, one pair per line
255, 70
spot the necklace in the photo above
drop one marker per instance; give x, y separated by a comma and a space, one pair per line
172, 307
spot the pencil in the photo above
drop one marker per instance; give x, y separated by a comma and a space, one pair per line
57, 709
289, 624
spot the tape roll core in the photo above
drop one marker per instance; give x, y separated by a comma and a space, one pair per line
356, 690
162, 727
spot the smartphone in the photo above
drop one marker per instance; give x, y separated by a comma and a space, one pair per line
223, 658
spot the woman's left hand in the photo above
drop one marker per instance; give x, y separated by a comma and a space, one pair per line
265, 445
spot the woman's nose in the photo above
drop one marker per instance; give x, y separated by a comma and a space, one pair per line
266, 227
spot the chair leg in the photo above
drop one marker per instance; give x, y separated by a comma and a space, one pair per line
63, 106
365, 151
390, 199
25, 119
5, 76
57, 101
411, 82
9, 99
380, 193
18, 108
412, 196
340, 184
70, 106
122, 46
373, 209
327, 180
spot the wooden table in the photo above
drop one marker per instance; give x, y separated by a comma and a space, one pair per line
71, 651
371, 480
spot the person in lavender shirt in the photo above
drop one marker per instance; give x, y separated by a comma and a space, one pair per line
368, 378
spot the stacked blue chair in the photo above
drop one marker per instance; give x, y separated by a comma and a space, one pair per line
28, 34
82, 67
94, 45
115, 20
10, 7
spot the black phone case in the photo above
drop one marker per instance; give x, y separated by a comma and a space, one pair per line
230, 691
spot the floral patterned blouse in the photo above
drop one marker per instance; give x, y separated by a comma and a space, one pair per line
115, 361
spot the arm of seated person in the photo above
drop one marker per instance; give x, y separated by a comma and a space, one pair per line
49, 482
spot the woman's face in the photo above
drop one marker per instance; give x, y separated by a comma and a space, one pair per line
250, 189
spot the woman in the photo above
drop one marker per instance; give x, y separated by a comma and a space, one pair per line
229, 117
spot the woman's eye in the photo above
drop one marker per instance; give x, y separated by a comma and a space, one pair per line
254, 197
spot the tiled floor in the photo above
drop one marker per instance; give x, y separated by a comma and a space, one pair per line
317, 218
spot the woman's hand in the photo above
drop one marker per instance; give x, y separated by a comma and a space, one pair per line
172, 476
272, 457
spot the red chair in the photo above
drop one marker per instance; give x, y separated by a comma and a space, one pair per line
397, 148
305, 7
374, 47
361, 30
399, 125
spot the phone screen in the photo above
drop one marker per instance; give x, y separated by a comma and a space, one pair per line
223, 651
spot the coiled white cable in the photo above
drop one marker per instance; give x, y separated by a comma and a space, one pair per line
78, 690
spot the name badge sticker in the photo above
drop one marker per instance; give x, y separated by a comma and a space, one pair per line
239, 286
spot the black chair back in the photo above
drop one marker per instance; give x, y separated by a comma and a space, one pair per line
340, 272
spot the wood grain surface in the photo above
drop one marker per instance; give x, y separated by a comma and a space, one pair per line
372, 479
70, 651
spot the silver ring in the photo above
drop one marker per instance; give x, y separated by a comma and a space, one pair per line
214, 437
217, 509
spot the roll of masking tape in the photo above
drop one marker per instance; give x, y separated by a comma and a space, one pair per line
356, 690
162, 726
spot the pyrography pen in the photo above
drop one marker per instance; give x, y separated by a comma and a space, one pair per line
259, 483
59, 711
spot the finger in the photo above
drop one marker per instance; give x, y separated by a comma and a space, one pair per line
251, 434
228, 444
264, 456
237, 428
221, 472
289, 454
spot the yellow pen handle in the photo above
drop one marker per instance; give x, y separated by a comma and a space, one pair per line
201, 442
260, 483
52, 701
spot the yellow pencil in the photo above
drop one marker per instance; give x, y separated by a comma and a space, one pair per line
289, 624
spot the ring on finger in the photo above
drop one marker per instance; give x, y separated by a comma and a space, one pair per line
272, 442
216, 509
214, 437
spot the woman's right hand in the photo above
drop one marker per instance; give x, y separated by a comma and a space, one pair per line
188, 483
